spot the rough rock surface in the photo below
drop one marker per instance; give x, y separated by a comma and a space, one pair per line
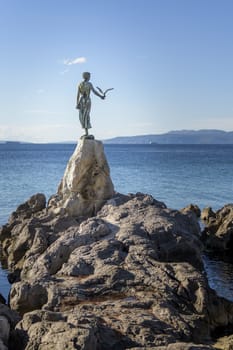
224, 343
130, 277
29, 232
192, 208
8, 320
97, 270
86, 183
218, 232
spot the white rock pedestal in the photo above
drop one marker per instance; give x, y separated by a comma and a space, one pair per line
86, 183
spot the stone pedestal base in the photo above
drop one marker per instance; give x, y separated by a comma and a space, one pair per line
86, 184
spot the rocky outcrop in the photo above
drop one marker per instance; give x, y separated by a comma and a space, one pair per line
192, 208
86, 184
218, 232
8, 320
29, 232
224, 343
129, 277
100, 270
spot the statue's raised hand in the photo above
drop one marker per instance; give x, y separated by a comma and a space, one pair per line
103, 92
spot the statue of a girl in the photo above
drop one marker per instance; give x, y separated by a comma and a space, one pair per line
84, 101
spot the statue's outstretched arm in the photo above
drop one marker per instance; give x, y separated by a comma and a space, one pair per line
96, 92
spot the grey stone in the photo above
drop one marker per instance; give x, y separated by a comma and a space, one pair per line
8, 320
193, 208
101, 270
86, 184
218, 232
130, 276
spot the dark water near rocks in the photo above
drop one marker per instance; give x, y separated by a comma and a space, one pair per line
220, 274
176, 174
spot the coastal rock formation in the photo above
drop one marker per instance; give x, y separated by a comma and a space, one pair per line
29, 232
218, 232
8, 320
192, 208
86, 183
100, 270
129, 277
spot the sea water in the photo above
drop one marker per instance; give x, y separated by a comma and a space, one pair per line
175, 174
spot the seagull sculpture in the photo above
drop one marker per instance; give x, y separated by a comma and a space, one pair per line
104, 92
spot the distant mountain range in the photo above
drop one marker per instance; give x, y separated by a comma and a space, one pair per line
205, 136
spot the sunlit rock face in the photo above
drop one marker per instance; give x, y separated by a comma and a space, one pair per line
86, 184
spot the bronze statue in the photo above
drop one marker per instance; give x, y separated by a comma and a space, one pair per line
84, 101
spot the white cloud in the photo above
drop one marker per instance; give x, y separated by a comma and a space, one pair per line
78, 60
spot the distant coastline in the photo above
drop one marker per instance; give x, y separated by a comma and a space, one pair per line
13, 142
204, 136
182, 137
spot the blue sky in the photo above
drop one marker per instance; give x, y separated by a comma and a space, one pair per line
170, 63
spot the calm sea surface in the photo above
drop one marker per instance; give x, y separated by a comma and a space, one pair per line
176, 174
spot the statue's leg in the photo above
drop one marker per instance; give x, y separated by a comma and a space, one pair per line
86, 131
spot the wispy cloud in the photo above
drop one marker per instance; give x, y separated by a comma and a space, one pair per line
64, 71
78, 60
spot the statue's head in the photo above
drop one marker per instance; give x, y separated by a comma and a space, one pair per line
86, 76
